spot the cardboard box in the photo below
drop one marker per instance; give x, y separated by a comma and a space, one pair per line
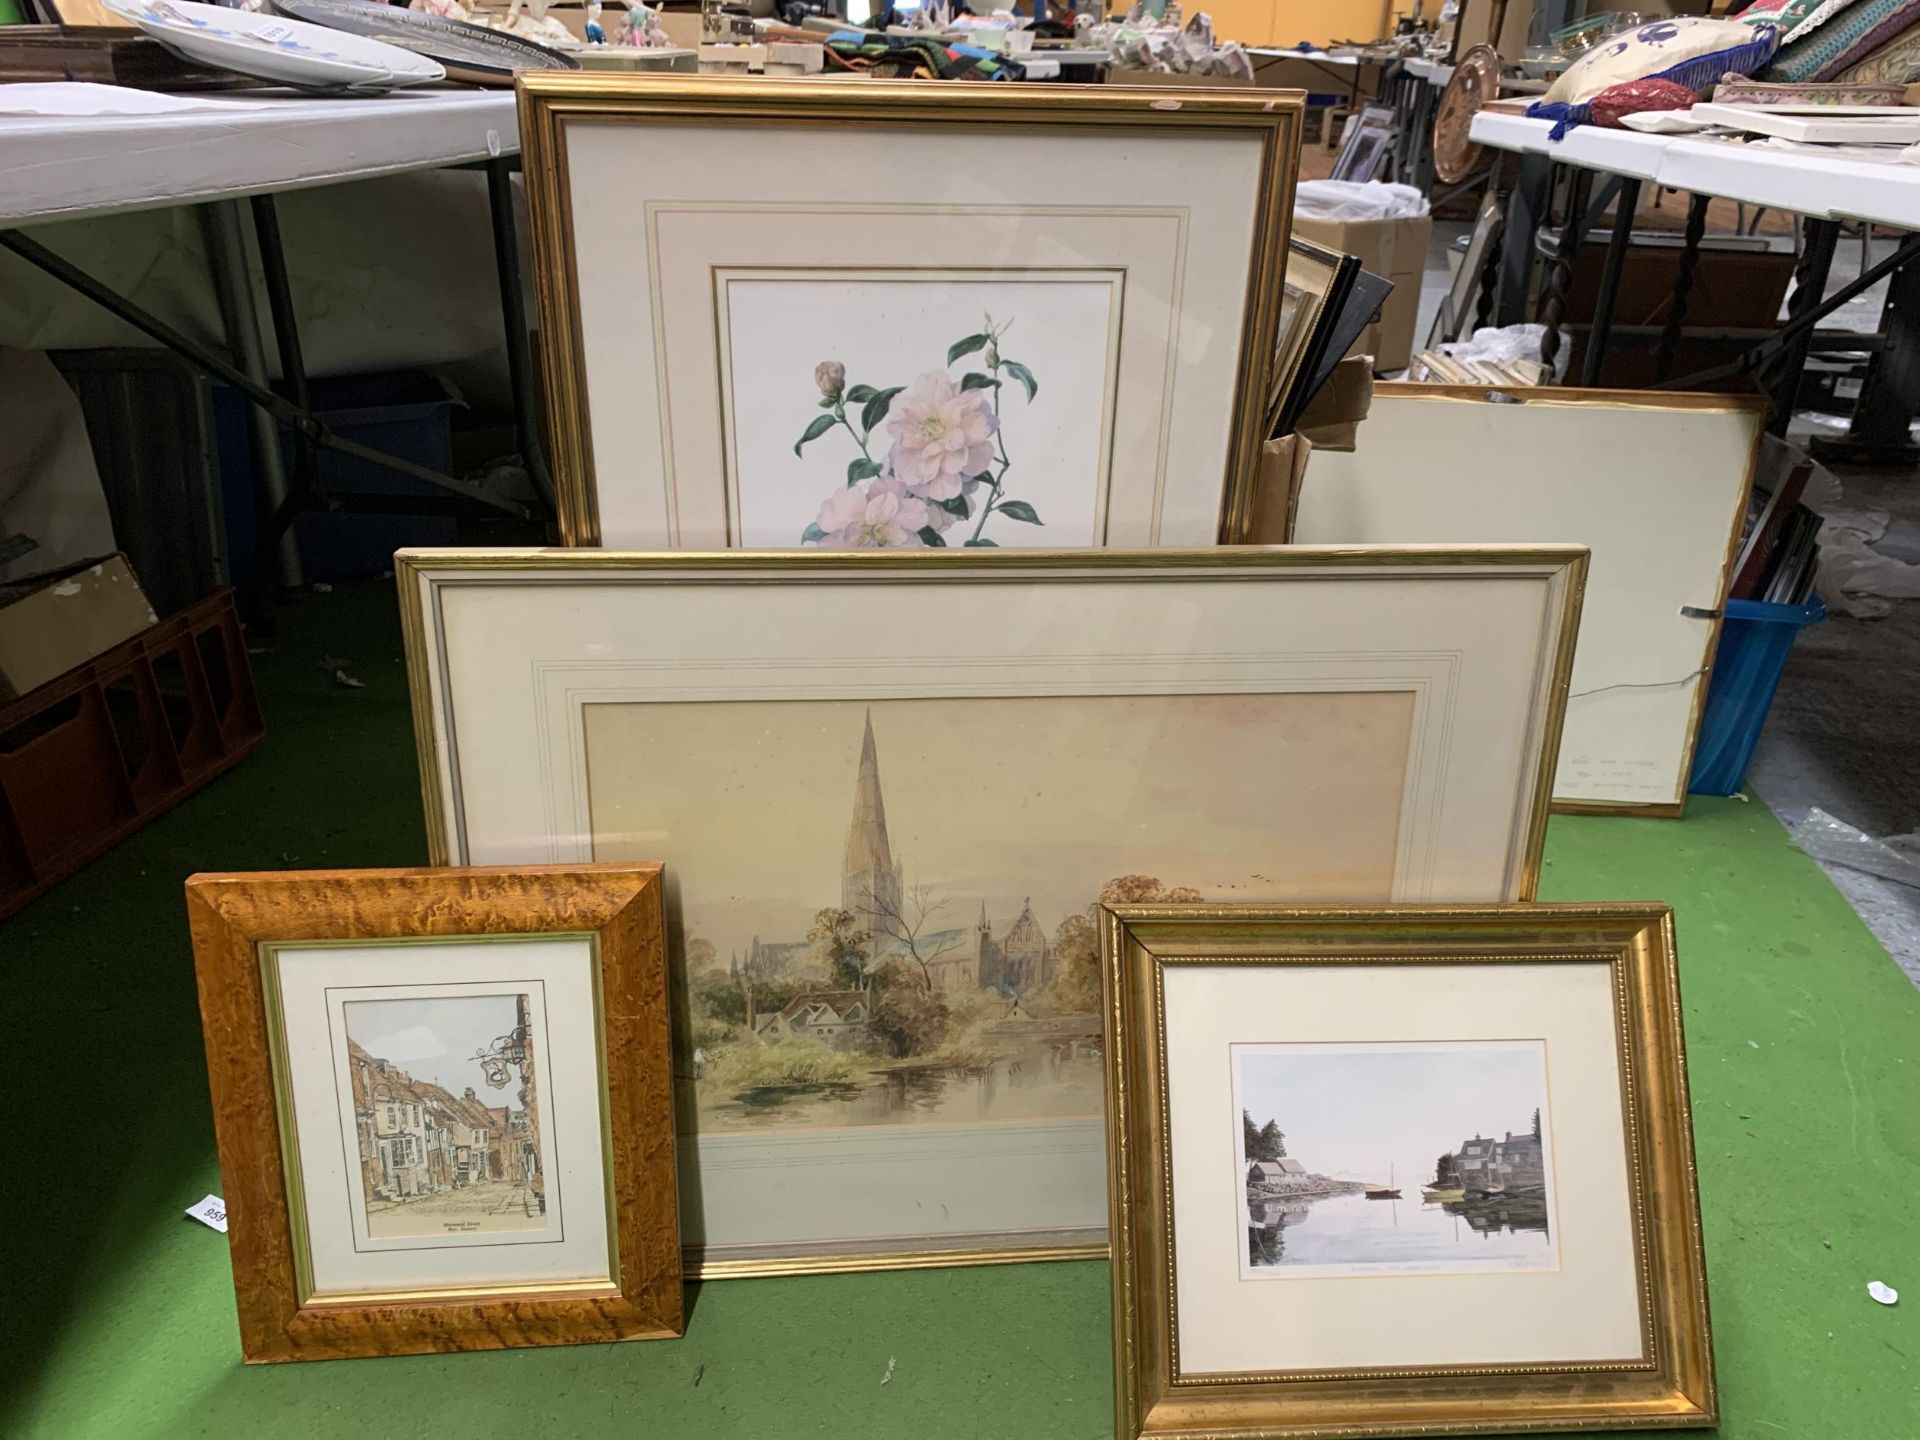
54, 622
1333, 416
1276, 499
1394, 249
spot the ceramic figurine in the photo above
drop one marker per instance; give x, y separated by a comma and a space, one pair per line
595, 35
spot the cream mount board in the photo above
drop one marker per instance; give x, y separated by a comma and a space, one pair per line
1655, 485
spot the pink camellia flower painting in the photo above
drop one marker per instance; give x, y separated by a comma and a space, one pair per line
881, 515
942, 435
946, 460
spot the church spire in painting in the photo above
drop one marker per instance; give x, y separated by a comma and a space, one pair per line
869, 880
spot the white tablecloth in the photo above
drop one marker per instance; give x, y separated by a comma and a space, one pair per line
391, 259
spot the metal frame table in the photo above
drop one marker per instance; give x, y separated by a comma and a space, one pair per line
227, 157
1826, 190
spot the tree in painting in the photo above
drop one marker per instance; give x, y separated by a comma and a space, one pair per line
945, 464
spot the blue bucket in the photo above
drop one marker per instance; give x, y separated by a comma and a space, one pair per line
1755, 638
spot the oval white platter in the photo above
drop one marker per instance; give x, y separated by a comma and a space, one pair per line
270, 47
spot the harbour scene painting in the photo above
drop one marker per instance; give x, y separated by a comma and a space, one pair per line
875, 923
1394, 1158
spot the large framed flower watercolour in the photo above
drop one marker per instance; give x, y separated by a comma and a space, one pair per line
1059, 333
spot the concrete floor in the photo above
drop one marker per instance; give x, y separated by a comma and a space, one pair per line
1839, 737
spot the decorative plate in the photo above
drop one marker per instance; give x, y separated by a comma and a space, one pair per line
1476, 80
469, 52
267, 47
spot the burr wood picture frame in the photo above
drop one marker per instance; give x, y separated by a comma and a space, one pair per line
889, 789
1084, 281
443, 1106
1277, 1276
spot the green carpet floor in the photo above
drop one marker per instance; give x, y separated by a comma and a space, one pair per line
1804, 1041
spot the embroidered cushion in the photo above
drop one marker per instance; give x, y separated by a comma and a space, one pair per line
1844, 41
1686, 49
1678, 49
1895, 63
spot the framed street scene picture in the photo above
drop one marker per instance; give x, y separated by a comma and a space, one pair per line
443, 1106
891, 791
1055, 326
1401, 1170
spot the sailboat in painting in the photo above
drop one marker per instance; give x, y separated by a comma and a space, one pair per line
1386, 1191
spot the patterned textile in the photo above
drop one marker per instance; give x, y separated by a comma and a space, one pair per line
1843, 42
899, 57
1636, 97
1786, 15
1795, 19
1738, 90
1685, 49
1895, 63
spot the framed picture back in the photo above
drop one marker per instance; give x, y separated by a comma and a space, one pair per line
890, 792
1036, 316
1655, 484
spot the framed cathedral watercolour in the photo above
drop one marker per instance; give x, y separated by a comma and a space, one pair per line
443, 1106
1055, 327
891, 790
1332, 1130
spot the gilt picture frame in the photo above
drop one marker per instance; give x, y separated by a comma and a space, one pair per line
443, 1106
889, 788
1009, 347
1472, 1111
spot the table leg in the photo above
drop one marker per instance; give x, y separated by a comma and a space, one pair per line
240, 318
1882, 428
1625, 204
1526, 207
1560, 273
293, 373
1809, 289
513, 314
1682, 287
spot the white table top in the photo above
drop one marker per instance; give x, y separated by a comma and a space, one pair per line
250, 143
1825, 187
1436, 73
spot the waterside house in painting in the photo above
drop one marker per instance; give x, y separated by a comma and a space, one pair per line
1513, 1166
1273, 1172
837, 1018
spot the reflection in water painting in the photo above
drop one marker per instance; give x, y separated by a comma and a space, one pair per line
1395, 1158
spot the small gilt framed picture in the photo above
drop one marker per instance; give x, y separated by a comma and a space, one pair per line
443, 1101
1400, 1170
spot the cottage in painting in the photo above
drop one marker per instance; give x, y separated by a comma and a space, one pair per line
1512, 1166
838, 1018
1271, 1172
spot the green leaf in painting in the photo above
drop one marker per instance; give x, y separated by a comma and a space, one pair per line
812, 534
1023, 375
1019, 510
876, 409
859, 470
974, 380
859, 394
985, 544
956, 506
817, 427
932, 538
967, 346
826, 402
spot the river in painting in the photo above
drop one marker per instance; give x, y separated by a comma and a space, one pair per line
1037, 1080
1349, 1234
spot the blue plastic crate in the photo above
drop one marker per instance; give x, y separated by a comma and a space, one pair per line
1755, 639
